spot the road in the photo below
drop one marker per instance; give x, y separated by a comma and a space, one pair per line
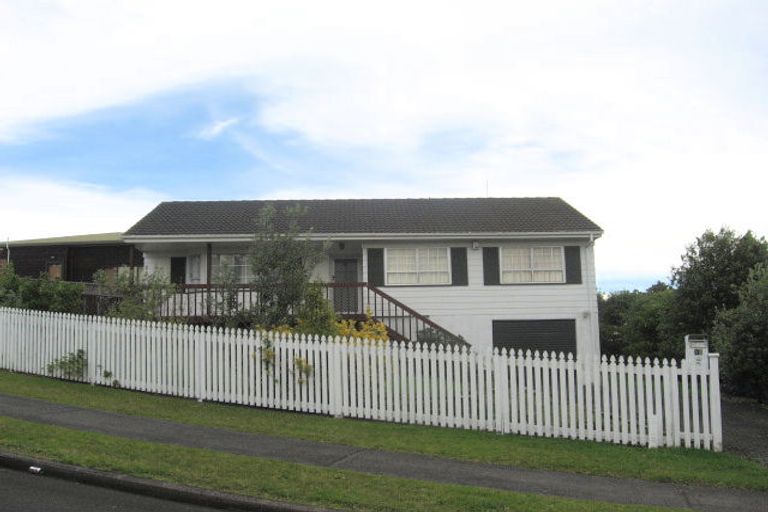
24, 492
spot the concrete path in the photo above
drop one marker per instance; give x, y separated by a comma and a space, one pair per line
379, 462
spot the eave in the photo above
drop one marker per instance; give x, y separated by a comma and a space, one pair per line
237, 238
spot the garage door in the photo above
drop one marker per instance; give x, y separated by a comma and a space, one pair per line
557, 335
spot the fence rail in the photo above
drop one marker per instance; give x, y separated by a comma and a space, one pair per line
621, 401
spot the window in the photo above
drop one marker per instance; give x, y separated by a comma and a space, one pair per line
238, 264
418, 266
532, 265
193, 269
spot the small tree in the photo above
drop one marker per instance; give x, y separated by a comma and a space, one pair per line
281, 264
229, 312
741, 336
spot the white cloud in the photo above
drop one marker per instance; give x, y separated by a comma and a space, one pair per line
216, 128
648, 116
40, 208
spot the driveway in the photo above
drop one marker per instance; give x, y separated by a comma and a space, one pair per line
745, 429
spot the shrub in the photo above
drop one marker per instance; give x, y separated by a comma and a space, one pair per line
41, 293
316, 314
9, 287
741, 336
368, 329
126, 297
228, 310
71, 366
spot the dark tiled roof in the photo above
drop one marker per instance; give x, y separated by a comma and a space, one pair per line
466, 215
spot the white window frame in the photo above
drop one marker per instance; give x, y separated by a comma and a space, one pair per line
194, 261
531, 269
416, 248
217, 257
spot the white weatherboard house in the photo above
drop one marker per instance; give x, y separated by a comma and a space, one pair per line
500, 272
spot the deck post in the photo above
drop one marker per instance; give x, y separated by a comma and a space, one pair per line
208, 270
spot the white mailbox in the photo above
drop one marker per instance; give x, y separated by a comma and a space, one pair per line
697, 351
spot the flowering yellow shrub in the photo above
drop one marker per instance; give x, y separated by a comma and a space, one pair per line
370, 329
304, 369
280, 329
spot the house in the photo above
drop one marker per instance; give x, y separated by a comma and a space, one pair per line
499, 272
71, 258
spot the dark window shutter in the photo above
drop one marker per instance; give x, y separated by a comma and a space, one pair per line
376, 267
573, 264
459, 266
490, 265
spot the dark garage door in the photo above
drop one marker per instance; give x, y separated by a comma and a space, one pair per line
557, 335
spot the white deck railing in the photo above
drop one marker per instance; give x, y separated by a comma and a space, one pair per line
620, 401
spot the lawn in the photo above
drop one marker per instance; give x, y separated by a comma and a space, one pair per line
269, 479
667, 465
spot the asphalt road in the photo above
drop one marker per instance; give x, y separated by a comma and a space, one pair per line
24, 492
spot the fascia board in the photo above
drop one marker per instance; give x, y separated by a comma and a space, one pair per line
369, 236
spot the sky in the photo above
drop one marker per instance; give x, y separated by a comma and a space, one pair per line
650, 117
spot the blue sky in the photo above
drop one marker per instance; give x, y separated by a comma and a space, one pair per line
651, 118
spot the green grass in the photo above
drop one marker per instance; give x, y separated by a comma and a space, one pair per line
279, 481
665, 465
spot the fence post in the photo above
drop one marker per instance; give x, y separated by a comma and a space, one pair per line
199, 369
714, 396
89, 323
499, 384
334, 379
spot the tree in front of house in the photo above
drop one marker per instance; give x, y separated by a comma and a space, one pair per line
281, 262
282, 258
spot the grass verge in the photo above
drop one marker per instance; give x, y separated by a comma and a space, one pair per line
280, 481
666, 465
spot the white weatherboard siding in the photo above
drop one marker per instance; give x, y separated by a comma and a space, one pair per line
470, 310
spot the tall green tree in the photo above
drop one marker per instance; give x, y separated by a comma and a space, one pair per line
712, 271
650, 330
741, 336
281, 265
612, 313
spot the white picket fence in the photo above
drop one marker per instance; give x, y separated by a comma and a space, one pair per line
628, 402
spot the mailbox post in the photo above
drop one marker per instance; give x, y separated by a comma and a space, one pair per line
697, 351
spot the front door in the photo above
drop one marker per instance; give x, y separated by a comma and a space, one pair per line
179, 270
345, 299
